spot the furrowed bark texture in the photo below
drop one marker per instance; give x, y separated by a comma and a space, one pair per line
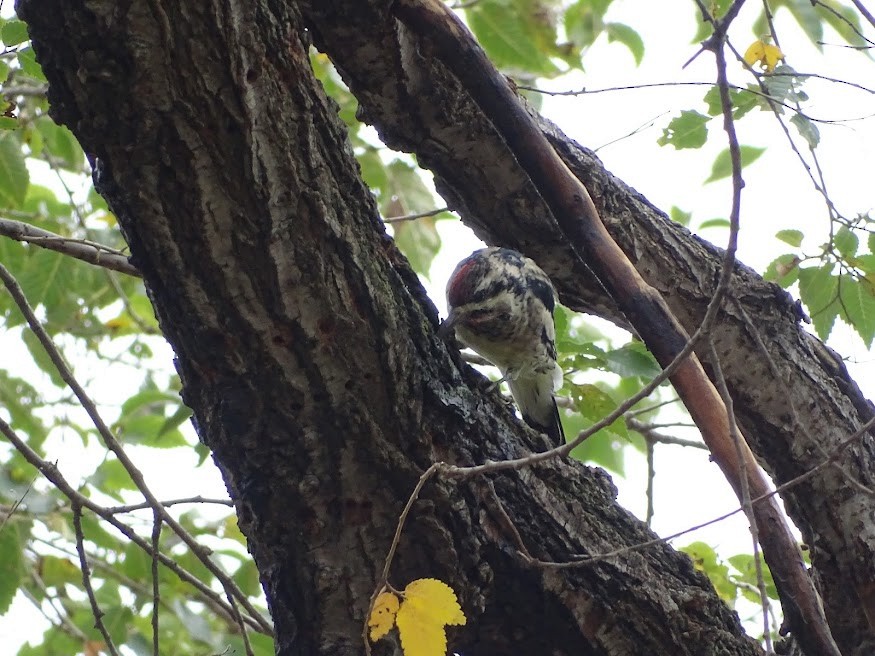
308, 352
791, 419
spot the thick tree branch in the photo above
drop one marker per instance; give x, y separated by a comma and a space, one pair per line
418, 107
308, 352
578, 217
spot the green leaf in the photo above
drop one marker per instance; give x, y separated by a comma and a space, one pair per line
792, 237
743, 100
858, 304
594, 404
8, 122
408, 194
584, 21
94, 531
746, 566
137, 564
689, 130
419, 241
197, 626
247, 578
144, 420
871, 242
846, 242
11, 562
517, 36
61, 144
4, 71
44, 202
174, 421
633, 359
783, 270
603, 449
715, 223
784, 85
55, 641
111, 477
42, 359
29, 65
13, 33
58, 284
723, 164
706, 561
680, 216
808, 18
374, 172
818, 289
57, 571
717, 8
624, 34
116, 618
866, 264
845, 21
19, 398
14, 177
807, 129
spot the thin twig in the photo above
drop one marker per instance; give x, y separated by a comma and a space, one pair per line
51, 472
506, 521
650, 435
81, 249
720, 381
86, 580
117, 510
402, 518
112, 571
62, 615
16, 504
651, 475
242, 627
156, 589
583, 560
111, 443
865, 13
413, 217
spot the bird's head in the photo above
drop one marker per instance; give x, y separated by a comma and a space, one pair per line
485, 289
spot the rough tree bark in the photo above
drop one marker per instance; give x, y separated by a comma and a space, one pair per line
308, 352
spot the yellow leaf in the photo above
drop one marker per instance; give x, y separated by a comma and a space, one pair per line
382, 618
763, 53
121, 322
428, 606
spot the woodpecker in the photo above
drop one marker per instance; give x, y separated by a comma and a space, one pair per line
501, 305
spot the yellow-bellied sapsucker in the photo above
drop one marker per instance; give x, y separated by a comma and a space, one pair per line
501, 305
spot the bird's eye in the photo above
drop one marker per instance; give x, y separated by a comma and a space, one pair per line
479, 315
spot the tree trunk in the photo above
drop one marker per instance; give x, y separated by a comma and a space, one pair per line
308, 352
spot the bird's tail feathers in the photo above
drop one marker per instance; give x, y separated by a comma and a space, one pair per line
534, 396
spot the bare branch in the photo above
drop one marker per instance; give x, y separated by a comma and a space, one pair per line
81, 249
51, 472
86, 580
201, 552
413, 217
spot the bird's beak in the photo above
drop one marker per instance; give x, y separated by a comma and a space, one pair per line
448, 324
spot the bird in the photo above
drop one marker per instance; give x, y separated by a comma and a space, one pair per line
500, 304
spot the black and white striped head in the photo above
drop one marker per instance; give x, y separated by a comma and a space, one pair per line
494, 288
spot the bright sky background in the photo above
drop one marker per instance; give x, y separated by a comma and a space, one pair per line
778, 195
